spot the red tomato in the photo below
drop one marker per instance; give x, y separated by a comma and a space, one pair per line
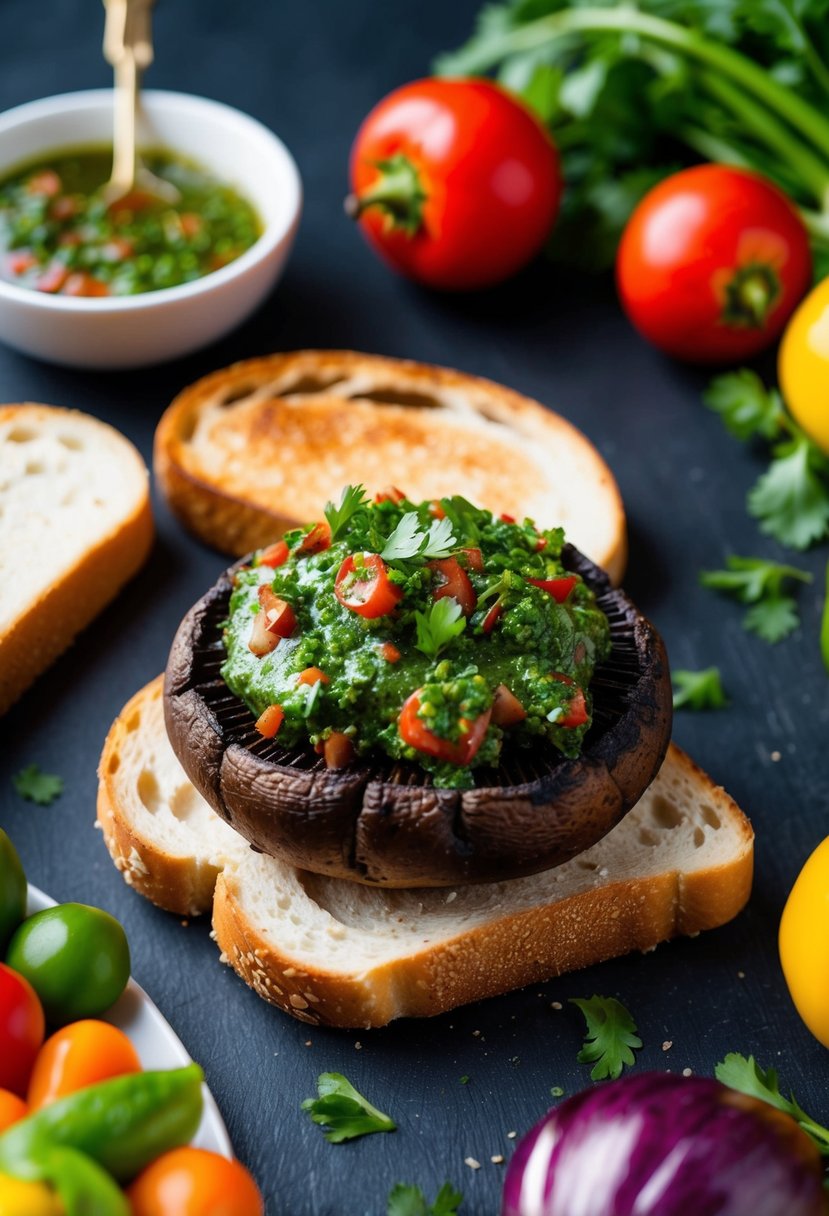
558, 588
316, 540
390, 494
22, 1027
20, 261
576, 714
46, 182
365, 587
269, 722
82, 284
389, 652
338, 750
53, 278
454, 582
712, 264
12, 1109
80, 1054
275, 555
507, 710
194, 1182
278, 613
312, 675
415, 732
491, 618
456, 183
474, 560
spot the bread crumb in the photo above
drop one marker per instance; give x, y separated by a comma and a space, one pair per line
476, 1033
741, 975
511, 1135
472, 1163
687, 1072
498, 1159
775, 756
309, 1042
556, 1005
358, 1046
667, 1045
184, 924
453, 895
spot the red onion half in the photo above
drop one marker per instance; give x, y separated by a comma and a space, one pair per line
659, 1145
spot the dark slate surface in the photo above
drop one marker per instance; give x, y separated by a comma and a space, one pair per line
311, 71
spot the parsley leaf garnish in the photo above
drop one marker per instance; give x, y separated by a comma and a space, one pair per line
791, 500
410, 540
611, 1037
745, 405
436, 629
405, 1200
755, 581
352, 499
344, 1112
747, 1077
699, 689
35, 786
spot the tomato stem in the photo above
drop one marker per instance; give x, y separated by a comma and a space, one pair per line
749, 296
397, 191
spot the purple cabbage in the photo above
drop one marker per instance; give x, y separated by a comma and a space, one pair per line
653, 1144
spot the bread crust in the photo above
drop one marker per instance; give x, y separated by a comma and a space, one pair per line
50, 624
237, 523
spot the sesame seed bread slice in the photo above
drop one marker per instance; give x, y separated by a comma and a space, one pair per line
257, 448
338, 953
75, 525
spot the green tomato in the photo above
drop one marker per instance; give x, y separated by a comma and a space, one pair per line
75, 957
12, 891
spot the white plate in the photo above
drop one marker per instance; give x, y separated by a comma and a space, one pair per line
157, 1044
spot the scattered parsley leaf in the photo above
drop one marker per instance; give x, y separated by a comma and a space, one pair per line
773, 619
755, 581
464, 1080
791, 499
436, 629
747, 1077
35, 786
405, 541
745, 405
557, 1092
440, 540
344, 1112
824, 626
352, 499
699, 689
611, 1037
405, 1200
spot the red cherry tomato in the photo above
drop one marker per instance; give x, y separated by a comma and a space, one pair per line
194, 1182
474, 559
275, 555
454, 581
22, 1027
279, 616
712, 264
507, 710
456, 183
491, 618
83, 284
415, 732
389, 652
558, 588
363, 585
316, 540
576, 714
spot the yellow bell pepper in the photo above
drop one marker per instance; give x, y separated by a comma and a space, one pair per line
803, 365
804, 943
27, 1198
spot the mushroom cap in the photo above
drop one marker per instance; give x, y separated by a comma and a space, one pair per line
381, 821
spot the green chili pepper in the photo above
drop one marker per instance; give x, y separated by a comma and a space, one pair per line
824, 628
83, 1188
123, 1124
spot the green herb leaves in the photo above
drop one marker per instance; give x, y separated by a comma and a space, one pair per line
405, 1200
352, 500
437, 627
409, 540
747, 1077
755, 581
344, 1112
611, 1037
745, 405
699, 689
35, 786
824, 626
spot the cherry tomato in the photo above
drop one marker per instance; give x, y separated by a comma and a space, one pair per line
278, 614
803, 365
507, 710
455, 182
22, 1026
79, 1055
576, 714
315, 541
193, 1182
363, 585
415, 732
558, 588
491, 618
12, 1109
454, 581
389, 652
474, 559
390, 494
275, 555
83, 284
712, 264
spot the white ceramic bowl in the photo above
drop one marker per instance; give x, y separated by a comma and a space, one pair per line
131, 331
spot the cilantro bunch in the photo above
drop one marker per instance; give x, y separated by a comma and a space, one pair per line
632, 92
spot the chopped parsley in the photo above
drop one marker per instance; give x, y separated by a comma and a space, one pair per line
699, 689
342, 1112
36, 786
760, 583
409, 539
437, 627
747, 1077
352, 500
611, 1037
406, 1200
746, 407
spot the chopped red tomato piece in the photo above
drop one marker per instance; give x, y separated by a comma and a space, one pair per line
313, 675
53, 278
118, 248
540, 544
436, 509
415, 732
474, 560
64, 208
279, 615
390, 494
82, 284
364, 586
558, 588
275, 555
506, 519
270, 721
507, 710
20, 261
492, 617
46, 182
454, 582
136, 200
576, 714
70, 240
389, 652
338, 750
262, 640
316, 540
191, 223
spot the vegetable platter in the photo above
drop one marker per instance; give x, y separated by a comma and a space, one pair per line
456, 1087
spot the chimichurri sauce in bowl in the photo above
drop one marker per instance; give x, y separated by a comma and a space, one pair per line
58, 235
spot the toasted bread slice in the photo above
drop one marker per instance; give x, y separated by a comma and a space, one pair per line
338, 953
250, 451
75, 525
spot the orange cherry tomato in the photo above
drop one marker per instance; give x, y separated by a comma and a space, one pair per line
12, 1109
363, 585
22, 1026
313, 675
80, 1054
415, 732
194, 1182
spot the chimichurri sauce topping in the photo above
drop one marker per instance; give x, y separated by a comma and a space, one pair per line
430, 631
58, 235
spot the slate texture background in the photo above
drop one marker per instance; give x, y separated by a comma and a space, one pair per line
311, 71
